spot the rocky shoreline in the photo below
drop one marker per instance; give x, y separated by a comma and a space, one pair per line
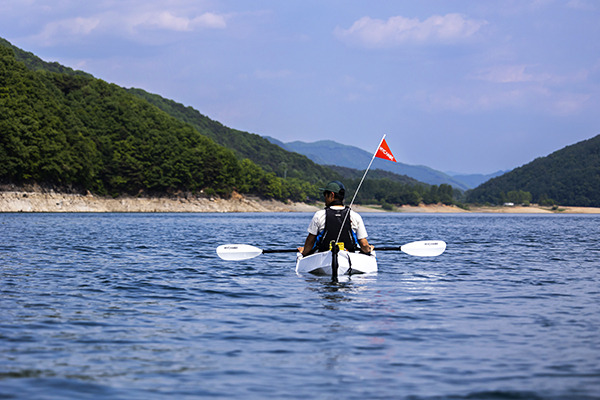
50, 201
15, 201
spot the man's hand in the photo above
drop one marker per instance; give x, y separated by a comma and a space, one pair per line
365, 247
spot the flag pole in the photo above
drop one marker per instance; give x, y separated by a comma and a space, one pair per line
358, 188
367, 170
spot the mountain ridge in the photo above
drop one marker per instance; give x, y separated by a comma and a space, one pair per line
569, 176
354, 157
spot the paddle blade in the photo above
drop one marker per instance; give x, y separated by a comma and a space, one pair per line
424, 248
237, 252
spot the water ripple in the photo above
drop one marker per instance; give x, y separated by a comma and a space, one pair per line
139, 306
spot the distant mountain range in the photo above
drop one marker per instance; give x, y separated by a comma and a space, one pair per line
327, 152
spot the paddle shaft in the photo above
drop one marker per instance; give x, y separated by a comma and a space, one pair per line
296, 250
281, 251
397, 248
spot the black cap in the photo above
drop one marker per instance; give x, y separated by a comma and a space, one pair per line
335, 187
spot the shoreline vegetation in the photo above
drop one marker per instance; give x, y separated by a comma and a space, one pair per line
49, 201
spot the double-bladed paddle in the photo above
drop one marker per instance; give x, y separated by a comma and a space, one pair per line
422, 248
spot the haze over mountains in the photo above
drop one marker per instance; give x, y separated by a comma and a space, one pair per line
328, 152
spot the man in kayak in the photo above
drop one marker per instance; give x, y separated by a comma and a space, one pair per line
326, 224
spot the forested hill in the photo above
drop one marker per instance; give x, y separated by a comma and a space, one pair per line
72, 131
569, 177
268, 156
35, 63
67, 129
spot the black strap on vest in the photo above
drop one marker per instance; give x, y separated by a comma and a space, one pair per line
333, 224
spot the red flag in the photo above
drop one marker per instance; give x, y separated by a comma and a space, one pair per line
384, 152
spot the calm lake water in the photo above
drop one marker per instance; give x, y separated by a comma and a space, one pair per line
138, 306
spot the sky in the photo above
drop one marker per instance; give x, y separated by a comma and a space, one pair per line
461, 86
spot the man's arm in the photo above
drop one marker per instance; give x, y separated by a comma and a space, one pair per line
308, 244
365, 247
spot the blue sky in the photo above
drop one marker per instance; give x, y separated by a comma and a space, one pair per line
464, 86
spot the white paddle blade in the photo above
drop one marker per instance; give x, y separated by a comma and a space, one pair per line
424, 248
237, 252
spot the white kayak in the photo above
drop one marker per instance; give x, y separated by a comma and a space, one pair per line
348, 263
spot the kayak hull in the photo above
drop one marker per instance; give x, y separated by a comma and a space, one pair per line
348, 263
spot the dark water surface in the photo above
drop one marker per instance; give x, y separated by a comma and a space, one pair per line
138, 306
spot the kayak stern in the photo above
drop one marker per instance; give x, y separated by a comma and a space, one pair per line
348, 263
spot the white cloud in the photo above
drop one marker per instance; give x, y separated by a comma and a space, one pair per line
168, 21
127, 23
400, 30
68, 28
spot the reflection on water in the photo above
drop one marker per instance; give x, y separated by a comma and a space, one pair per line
345, 289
